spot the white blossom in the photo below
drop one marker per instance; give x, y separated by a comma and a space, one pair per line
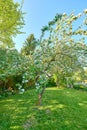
79, 15
85, 11
64, 14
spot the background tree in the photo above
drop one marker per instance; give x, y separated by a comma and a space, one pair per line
11, 21
29, 45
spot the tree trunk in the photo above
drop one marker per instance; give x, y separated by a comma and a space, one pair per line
40, 97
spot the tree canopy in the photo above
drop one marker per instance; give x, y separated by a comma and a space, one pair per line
11, 21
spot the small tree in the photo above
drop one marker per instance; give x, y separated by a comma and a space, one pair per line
63, 51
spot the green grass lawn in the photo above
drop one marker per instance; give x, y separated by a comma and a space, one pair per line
62, 109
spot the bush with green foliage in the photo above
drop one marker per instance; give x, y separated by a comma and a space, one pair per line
80, 86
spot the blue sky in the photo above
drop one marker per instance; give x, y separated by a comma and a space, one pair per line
40, 12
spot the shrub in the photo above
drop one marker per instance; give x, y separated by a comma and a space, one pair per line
51, 83
80, 86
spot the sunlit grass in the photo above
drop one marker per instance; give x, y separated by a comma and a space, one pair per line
62, 109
